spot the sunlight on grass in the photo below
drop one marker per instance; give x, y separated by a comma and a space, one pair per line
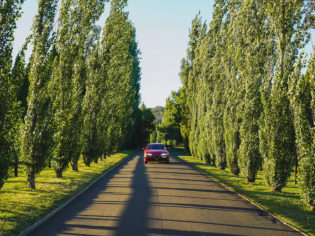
286, 205
21, 206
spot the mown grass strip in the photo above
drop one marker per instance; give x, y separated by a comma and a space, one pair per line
285, 205
20, 206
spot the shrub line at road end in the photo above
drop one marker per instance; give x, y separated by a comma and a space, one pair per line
285, 206
23, 209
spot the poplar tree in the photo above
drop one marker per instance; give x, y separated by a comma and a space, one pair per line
36, 132
86, 43
277, 135
205, 87
91, 137
146, 125
244, 100
302, 97
20, 84
218, 28
186, 65
76, 22
10, 12
254, 45
20, 76
120, 72
188, 90
233, 91
169, 129
201, 137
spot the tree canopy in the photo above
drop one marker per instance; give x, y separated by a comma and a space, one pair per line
243, 86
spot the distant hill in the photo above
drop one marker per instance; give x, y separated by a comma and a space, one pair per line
158, 113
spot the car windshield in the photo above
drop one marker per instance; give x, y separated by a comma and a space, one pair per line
155, 147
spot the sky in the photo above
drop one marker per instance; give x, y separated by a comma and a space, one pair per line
162, 28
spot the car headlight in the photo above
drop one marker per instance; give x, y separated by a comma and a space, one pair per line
148, 154
164, 154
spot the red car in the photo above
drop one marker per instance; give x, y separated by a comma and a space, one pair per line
156, 152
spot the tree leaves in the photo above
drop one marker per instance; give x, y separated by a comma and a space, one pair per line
10, 12
235, 107
36, 132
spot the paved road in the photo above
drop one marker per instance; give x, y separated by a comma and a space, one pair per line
160, 199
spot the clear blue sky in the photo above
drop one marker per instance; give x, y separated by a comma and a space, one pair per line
162, 33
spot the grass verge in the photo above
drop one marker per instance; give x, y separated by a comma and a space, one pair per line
285, 205
20, 206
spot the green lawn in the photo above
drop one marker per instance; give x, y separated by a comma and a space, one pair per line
286, 205
20, 206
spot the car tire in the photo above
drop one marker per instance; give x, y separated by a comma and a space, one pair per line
145, 162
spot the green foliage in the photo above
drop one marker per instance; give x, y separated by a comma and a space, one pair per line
153, 136
75, 32
253, 31
36, 132
145, 127
10, 11
235, 109
169, 129
20, 77
91, 143
120, 74
277, 130
234, 94
281, 148
186, 96
110, 105
302, 98
217, 126
79, 95
216, 78
20, 84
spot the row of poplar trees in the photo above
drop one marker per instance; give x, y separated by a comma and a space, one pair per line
79, 94
247, 100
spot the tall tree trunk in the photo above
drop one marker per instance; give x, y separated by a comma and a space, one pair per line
208, 158
58, 173
31, 180
277, 189
295, 170
251, 177
75, 165
16, 166
1, 182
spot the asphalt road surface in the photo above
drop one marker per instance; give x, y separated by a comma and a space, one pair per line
160, 199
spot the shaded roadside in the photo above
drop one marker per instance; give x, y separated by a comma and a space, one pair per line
135, 217
281, 204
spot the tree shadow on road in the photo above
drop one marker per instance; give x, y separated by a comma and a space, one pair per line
135, 216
